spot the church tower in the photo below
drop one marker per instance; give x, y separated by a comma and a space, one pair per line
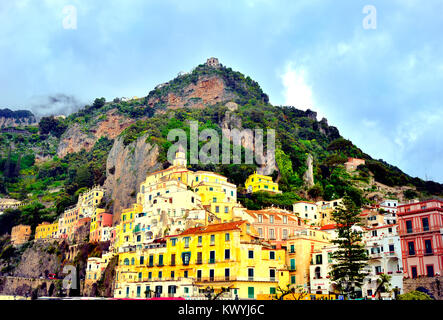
180, 157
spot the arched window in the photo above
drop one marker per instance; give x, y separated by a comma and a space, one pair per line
126, 262
317, 273
132, 261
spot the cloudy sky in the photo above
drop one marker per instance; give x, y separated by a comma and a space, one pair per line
373, 68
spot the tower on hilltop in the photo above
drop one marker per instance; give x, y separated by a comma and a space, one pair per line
212, 62
180, 157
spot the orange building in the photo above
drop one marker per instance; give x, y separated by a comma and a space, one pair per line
20, 234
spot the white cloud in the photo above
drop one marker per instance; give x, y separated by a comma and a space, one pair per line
297, 92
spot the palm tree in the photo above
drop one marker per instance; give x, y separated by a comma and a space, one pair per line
384, 283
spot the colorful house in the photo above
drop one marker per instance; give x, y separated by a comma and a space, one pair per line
99, 220
46, 230
227, 255
420, 226
258, 182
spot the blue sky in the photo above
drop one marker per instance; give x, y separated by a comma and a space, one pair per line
382, 87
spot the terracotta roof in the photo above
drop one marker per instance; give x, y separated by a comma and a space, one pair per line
214, 228
329, 227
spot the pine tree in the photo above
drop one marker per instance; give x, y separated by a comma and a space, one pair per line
350, 258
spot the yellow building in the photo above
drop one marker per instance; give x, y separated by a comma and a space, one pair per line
89, 200
299, 249
325, 209
217, 195
125, 229
46, 230
258, 182
225, 255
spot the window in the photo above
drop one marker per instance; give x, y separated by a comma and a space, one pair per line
414, 271
292, 264
260, 232
411, 248
272, 274
149, 275
318, 259
199, 275
272, 255
292, 249
391, 248
186, 256
132, 261
428, 247
409, 226
160, 259
217, 209
199, 258
285, 219
285, 233
271, 234
172, 274
227, 254
211, 275
173, 259
272, 290
214, 199
374, 233
142, 259
377, 269
430, 270
425, 222
271, 219
126, 262
226, 209
185, 274
186, 239
200, 239
151, 260
251, 274
260, 218
227, 237
212, 239
292, 279
251, 254
317, 273
173, 242
211, 256
140, 275
227, 274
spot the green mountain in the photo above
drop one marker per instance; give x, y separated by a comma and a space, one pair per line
51, 164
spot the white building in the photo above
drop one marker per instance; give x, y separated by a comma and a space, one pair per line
307, 210
384, 252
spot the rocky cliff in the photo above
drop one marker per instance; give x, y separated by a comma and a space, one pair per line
126, 169
76, 138
9, 118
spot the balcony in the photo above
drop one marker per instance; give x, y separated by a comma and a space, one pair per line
412, 231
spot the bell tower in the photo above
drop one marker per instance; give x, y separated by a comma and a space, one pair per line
180, 157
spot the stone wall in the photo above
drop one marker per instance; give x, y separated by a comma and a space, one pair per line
433, 285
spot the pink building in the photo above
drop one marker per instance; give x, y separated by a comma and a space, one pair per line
420, 230
274, 225
98, 222
353, 163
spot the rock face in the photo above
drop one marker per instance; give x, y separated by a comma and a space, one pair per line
126, 169
308, 177
39, 260
208, 90
9, 118
230, 122
75, 139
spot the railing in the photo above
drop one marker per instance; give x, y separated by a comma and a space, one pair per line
404, 232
